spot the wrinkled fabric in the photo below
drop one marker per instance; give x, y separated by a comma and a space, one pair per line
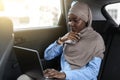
90, 44
80, 9
87, 72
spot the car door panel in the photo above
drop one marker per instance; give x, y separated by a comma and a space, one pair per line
38, 39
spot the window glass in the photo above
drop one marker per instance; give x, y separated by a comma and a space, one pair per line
114, 11
31, 13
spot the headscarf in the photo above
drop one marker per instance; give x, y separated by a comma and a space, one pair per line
90, 44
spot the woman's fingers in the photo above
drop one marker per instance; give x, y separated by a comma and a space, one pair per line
50, 73
74, 37
71, 36
46, 71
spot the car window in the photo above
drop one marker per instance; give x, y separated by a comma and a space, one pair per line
114, 11
31, 13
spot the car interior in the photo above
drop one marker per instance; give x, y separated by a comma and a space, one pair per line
41, 36
6, 42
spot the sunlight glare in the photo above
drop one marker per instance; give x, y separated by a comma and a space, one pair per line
32, 13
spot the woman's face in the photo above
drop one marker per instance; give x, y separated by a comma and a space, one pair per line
76, 24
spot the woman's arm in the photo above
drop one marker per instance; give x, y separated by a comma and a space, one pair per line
88, 72
53, 50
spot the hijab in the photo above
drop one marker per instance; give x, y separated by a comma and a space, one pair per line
90, 44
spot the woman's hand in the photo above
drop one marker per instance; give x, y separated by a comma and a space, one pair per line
52, 73
69, 36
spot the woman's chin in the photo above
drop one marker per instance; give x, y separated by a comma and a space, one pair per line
74, 31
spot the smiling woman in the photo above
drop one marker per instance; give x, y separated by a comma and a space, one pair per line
31, 13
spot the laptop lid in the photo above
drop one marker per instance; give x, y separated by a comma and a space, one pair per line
29, 60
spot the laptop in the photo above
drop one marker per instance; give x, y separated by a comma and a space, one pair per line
30, 62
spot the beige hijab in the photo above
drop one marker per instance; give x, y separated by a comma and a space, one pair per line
91, 43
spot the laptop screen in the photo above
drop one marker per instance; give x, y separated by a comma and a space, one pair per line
28, 59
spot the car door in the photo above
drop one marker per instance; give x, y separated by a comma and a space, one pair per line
36, 25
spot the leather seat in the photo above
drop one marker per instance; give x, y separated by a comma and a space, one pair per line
6, 42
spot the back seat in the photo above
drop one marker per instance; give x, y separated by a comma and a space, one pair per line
110, 68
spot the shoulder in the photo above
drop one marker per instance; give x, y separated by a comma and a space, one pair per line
97, 37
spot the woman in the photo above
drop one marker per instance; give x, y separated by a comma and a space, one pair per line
81, 49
